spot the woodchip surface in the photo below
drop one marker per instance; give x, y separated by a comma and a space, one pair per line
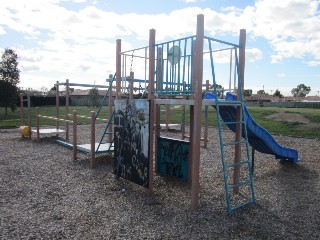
44, 194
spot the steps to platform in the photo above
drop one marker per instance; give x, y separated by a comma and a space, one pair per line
49, 132
103, 148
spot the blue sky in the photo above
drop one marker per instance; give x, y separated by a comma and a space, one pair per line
76, 39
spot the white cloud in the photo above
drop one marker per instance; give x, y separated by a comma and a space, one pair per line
292, 27
69, 42
192, 1
313, 63
2, 31
281, 75
253, 54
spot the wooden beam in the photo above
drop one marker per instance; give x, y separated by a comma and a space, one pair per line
197, 82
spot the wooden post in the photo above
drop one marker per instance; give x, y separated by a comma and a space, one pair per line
29, 115
152, 37
183, 120
67, 109
198, 73
237, 154
57, 106
131, 85
167, 116
206, 111
118, 69
157, 106
191, 119
110, 110
37, 124
75, 134
93, 140
21, 110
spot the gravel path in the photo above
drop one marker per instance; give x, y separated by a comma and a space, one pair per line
44, 194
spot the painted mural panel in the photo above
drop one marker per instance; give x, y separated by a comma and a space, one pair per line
173, 157
131, 140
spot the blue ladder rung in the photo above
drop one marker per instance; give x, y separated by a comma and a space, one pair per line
238, 163
234, 143
239, 184
226, 123
223, 103
250, 201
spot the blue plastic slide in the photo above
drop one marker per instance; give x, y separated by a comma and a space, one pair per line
259, 138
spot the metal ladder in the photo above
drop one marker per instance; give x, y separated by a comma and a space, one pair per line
106, 132
239, 191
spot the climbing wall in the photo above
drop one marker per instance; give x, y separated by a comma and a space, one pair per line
131, 140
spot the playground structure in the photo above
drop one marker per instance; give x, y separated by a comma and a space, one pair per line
168, 79
173, 71
176, 78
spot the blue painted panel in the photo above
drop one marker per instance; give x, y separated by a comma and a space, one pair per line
173, 157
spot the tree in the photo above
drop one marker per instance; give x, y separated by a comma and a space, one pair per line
9, 94
277, 94
247, 92
94, 97
9, 78
219, 88
261, 92
300, 91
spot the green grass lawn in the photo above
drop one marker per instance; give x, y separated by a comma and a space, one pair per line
13, 118
260, 114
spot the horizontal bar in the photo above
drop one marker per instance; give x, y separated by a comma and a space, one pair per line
221, 103
234, 143
176, 40
136, 56
237, 163
174, 101
136, 49
54, 118
242, 205
81, 85
239, 184
219, 50
227, 123
220, 41
86, 117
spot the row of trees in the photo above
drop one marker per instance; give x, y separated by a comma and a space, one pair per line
300, 91
9, 79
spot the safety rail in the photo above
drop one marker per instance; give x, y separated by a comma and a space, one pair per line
74, 145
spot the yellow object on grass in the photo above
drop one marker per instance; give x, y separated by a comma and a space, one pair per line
24, 130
